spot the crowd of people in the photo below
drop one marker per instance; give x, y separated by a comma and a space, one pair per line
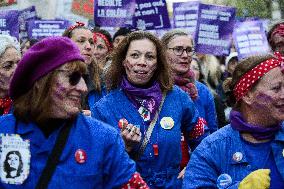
88, 110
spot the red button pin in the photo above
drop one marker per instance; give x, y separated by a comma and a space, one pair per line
122, 123
80, 156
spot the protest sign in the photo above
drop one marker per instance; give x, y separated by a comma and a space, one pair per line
25, 15
214, 29
9, 23
151, 15
114, 13
250, 39
185, 15
38, 29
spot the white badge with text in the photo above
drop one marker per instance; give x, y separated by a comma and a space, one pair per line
14, 159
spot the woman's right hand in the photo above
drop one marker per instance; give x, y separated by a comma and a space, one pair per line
258, 179
131, 136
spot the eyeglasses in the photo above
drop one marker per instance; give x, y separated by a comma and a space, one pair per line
179, 50
75, 77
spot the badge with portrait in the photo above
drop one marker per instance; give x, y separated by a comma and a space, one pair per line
14, 159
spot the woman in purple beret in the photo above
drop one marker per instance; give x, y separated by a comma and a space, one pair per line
9, 58
59, 147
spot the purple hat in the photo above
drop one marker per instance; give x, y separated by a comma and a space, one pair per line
41, 59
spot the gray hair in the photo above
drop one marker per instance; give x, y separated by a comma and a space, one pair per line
7, 41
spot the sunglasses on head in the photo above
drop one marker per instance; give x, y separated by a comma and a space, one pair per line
75, 77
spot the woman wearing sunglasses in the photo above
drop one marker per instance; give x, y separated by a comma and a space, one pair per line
59, 146
147, 109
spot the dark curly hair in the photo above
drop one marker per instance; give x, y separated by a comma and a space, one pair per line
116, 70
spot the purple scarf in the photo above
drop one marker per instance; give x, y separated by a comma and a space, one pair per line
147, 101
257, 131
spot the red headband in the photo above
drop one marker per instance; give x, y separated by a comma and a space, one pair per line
78, 24
247, 80
107, 42
278, 30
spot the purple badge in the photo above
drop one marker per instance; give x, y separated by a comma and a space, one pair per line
214, 29
151, 15
114, 13
9, 23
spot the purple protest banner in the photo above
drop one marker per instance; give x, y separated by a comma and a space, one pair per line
151, 15
38, 29
250, 39
185, 15
25, 15
114, 13
9, 23
214, 29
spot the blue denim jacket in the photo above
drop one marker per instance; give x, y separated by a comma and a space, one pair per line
214, 156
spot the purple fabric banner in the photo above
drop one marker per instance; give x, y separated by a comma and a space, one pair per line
185, 15
39, 29
151, 15
9, 23
214, 29
114, 13
250, 38
25, 15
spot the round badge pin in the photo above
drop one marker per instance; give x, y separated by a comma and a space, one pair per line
223, 181
122, 123
167, 123
238, 156
80, 156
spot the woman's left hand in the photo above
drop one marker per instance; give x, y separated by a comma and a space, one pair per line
181, 174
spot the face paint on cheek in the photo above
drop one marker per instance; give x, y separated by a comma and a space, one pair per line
263, 100
60, 91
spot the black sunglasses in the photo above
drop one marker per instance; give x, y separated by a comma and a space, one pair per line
75, 77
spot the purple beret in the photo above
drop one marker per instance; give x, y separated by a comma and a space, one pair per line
41, 59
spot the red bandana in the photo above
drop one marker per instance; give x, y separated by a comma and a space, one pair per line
107, 42
247, 80
5, 104
78, 24
278, 30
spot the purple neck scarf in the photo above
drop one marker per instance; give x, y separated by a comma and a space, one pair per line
147, 101
257, 131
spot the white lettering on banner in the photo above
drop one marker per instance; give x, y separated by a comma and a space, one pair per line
245, 50
242, 38
215, 42
209, 17
212, 35
179, 17
110, 3
5, 32
2, 22
185, 8
254, 36
49, 26
158, 3
144, 5
191, 23
224, 19
148, 12
243, 44
256, 43
117, 13
191, 16
208, 27
180, 23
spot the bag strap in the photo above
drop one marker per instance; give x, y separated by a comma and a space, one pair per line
150, 130
54, 157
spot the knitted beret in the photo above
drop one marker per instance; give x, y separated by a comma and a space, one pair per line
41, 59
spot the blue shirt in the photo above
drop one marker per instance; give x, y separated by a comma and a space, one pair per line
107, 164
206, 106
158, 171
215, 156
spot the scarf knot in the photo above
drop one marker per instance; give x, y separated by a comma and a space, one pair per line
186, 83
